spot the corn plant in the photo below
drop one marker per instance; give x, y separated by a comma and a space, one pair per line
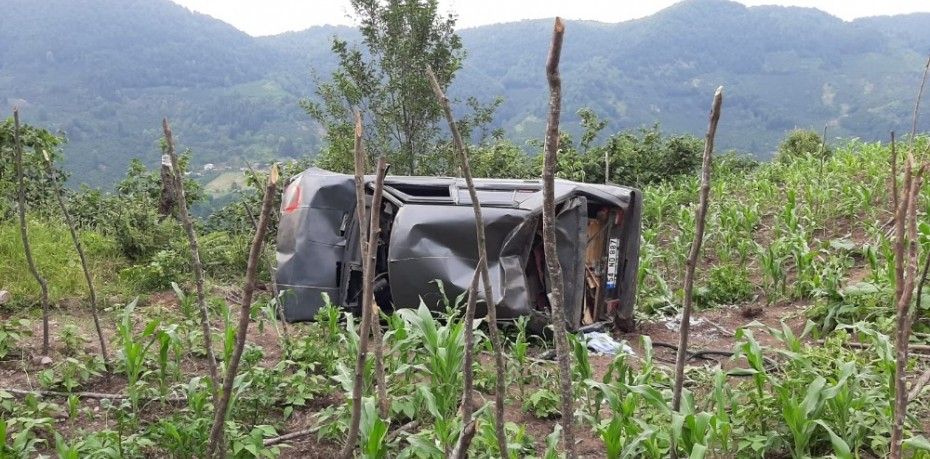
520, 353
11, 333
443, 348
134, 351
373, 431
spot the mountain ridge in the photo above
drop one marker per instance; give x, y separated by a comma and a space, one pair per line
105, 71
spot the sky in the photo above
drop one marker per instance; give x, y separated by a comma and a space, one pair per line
269, 17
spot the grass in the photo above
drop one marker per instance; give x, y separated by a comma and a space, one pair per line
57, 261
224, 183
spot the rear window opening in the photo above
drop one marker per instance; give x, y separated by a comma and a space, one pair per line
421, 191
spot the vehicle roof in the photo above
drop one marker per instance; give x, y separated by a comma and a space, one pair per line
524, 194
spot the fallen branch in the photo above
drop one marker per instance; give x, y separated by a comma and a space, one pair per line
91, 395
402, 429
915, 348
286, 437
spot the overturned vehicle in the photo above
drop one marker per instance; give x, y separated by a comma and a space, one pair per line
428, 237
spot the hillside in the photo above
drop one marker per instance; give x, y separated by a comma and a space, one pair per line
105, 71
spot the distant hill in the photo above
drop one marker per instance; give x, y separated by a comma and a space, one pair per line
104, 72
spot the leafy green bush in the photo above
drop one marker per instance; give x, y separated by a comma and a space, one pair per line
34, 141
800, 143
542, 403
726, 285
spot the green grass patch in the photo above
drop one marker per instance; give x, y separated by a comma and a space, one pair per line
57, 261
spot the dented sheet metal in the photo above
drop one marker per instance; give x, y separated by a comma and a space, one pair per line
429, 237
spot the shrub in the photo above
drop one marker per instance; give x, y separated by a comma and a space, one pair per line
800, 143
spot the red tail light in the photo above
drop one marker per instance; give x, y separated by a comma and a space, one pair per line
291, 201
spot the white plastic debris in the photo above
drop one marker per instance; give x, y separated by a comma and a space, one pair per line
674, 324
604, 344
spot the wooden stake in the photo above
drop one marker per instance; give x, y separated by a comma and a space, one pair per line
384, 405
699, 219
80, 250
24, 230
216, 445
368, 267
468, 407
196, 264
894, 176
461, 150
906, 248
562, 351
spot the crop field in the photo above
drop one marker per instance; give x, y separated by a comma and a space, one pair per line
792, 350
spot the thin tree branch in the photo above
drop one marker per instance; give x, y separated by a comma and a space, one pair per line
92, 395
24, 230
461, 150
80, 250
196, 264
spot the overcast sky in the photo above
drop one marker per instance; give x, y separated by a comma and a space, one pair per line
268, 17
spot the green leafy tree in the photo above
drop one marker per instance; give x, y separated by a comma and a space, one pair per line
800, 143
35, 140
386, 79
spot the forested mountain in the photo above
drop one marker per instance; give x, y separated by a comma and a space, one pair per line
104, 72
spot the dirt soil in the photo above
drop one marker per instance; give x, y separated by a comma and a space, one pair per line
711, 330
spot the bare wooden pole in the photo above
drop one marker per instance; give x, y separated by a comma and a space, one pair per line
920, 93
924, 378
468, 374
905, 237
461, 150
894, 176
699, 219
562, 351
216, 445
368, 273
79, 247
24, 229
906, 247
384, 405
196, 264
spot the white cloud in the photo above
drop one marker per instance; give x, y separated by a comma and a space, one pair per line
267, 17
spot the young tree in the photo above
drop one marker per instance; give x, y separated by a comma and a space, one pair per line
384, 77
196, 264
24, 232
